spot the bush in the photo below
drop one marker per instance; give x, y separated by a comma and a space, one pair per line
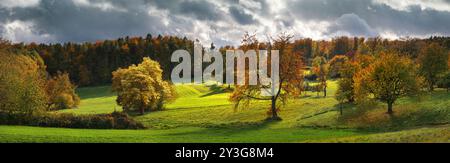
115, 120
61, 93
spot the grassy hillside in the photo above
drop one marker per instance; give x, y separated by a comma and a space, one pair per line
204, 114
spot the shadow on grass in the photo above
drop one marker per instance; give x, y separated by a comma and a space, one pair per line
230, 128
216, 89
405, 117
95, 92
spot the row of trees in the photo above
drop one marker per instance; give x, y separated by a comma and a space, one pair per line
342, 57
92, 63
389, 75
373, 69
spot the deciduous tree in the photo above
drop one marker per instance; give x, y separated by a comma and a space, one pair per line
433, 62
61, 93
321, 69
141, 87
388, 78
21, 83
291, 76
345, 91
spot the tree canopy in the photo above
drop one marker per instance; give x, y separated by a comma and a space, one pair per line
141, 87
388, 78
290, 75
433, 62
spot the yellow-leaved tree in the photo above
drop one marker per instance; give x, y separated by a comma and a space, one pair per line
141, 87
22, 79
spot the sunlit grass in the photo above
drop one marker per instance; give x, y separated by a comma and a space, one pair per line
204, 114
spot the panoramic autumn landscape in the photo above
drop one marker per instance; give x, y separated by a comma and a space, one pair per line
99, 71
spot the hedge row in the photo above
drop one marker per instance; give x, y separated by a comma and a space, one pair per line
115, 120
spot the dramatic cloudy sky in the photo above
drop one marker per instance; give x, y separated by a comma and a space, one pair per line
219, 21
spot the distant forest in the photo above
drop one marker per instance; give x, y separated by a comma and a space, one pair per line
90, 64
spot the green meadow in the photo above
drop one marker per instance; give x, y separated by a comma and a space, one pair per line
204, 114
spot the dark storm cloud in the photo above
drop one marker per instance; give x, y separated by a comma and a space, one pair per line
352, 25
240, 16
202, 10
68, 22
221, 21
414, 21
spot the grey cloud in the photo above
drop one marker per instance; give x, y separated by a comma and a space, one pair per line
240, 16
63, 20
201, 9
67, 22
380, 16
352, 25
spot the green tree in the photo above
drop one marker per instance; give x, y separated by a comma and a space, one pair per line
141, 87
345, 90
388, 78
444, 81
433, 62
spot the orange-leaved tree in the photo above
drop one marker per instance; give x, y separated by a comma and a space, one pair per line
290, 76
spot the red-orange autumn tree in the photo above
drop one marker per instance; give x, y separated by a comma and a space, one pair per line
290, 75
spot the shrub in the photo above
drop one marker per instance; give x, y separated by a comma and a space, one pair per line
61, 93
115, 120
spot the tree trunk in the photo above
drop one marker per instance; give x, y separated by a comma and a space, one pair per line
351, 100
274, 109
324, 91
390, 108
431, 87
340, 108
141, 110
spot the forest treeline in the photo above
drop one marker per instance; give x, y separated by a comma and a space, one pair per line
90, 64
